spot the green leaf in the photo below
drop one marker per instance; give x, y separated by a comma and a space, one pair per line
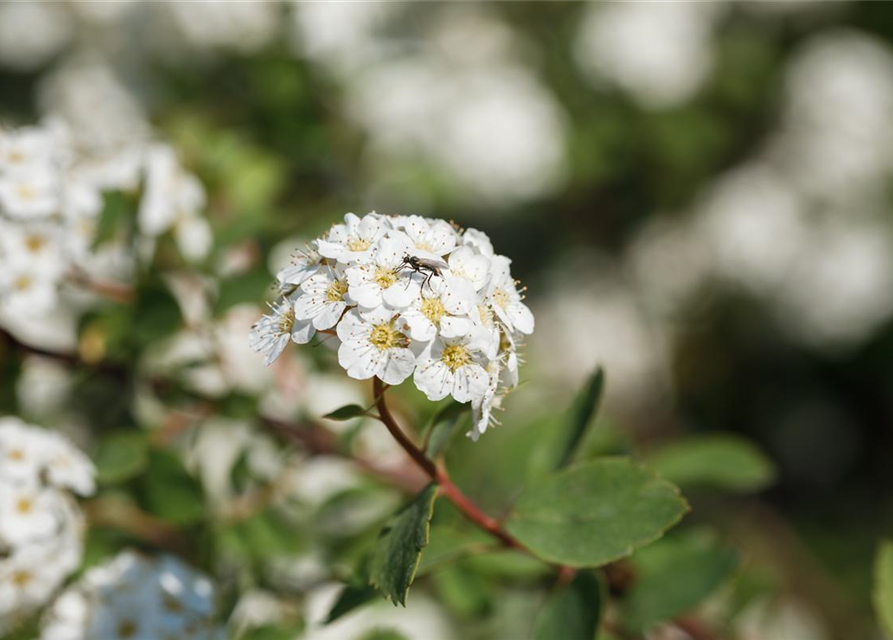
382, 634
595, 512
582, 411
463, 590
673, 576
245, 287
170, 492
882, 594
272, 632
122, 456
350, 598
443, 427
116, 211
720, 460
572, 612
347, 412
156, 314
399, 546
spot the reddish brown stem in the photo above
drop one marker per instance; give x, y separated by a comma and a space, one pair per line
449, 490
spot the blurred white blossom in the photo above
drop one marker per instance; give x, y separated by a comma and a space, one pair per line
660, 52
41, 527
136, 596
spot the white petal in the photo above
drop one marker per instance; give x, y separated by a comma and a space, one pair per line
367, 294
521, 317
309, 306
471, 382
433, 378
329, 315
302, 331
420, 327
455, 327
401, 294
399, 366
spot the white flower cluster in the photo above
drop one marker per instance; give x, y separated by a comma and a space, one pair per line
51, 198
406, 296
135, 597
41, 527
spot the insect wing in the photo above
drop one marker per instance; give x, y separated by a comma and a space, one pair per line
434, 264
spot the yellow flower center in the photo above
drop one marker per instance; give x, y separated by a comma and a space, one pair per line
22, 283
455, 356
171, 604
287, 321
127, 629
336, 291
424, 246
24, 505
385, 277
486, 314
385, 336
501, 298
21, 578
34, 242
16, 455
358, 244
432, 308
25, 192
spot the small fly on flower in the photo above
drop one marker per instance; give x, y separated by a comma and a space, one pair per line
428, 267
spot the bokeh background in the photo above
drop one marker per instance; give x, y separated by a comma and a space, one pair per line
697, 196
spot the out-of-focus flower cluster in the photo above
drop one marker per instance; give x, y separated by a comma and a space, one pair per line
406, 296
51, 203
134, 596
41, 527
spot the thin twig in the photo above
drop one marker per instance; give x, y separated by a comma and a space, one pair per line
439, 474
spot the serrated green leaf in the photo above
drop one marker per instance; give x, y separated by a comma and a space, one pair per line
882, 593
443, 427
347, 412
718, 460
595, 512
121, 457
673, 576
398, 549
351, 597
572, 612
582, 411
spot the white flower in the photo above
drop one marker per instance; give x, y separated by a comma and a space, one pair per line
66, 466
135, 597
441, 307
478, 240
20, 452
433, 237
172, 200
29, 513
452, 366
482, 407
25, 148
453, 319
379, 281
372, 345
353, 241
30, 194
322, 299
466, 263
304, 264
505, 299
36, 247
271, 333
